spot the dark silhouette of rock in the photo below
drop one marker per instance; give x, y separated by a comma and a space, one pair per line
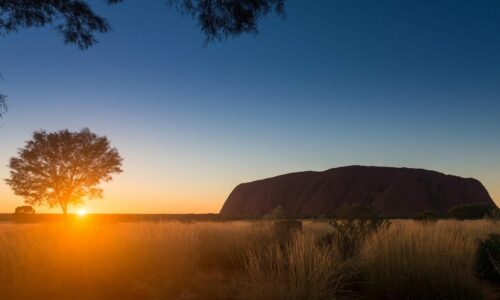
395, 192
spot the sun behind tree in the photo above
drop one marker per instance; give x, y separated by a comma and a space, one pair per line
63, 167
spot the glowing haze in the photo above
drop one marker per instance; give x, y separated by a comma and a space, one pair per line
380, 83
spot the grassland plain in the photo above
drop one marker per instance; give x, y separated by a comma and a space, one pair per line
237, 260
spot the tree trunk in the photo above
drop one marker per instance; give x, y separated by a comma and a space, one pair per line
64, 208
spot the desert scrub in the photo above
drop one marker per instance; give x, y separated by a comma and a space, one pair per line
410, 260
210, 260
350, 229
298, 270
488, 258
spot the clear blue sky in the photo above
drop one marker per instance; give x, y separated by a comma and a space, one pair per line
396, 83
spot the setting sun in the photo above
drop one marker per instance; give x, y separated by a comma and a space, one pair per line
81, 212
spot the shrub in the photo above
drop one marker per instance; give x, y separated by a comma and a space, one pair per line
493, 214
427, 216
23, 214
24, 210
469, 211
488, 258
354, 225
275, 214
285, 229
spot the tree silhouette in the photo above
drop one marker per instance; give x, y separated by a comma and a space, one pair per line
3, 101
3, 104
63, 167
77, 23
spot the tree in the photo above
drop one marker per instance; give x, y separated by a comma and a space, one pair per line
3, 104
77, 23
63, 167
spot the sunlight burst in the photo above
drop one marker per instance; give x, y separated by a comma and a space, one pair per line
81, 212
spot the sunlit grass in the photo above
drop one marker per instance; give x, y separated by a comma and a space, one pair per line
233, 260
412, 260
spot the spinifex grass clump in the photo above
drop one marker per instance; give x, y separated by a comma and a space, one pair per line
352, 226
286, 229
415, 261
298, 270
488, 258
283, 228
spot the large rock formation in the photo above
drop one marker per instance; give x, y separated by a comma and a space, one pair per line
395, 192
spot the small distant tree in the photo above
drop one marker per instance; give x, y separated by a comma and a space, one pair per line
469, 211
21, 210
63, 167
277, 213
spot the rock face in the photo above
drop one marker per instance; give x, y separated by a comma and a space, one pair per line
395, 192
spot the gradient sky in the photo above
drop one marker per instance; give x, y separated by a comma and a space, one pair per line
393, 83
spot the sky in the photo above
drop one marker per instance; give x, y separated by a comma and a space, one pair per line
333, 83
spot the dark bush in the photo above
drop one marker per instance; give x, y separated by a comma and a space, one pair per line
427, 216
469, 211
23, 214
24, 210
493, 214
488, 258
276, 214
353, 225
285, 229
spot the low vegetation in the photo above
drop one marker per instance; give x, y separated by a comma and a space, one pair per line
470, 211
240, 260
414, 260
488, 258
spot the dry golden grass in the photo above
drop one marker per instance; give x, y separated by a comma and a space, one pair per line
298, 269
234, 260
413, 260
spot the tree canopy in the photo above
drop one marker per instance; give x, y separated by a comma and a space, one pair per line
78, 24
63, 167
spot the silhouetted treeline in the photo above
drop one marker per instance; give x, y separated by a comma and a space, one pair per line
48, 218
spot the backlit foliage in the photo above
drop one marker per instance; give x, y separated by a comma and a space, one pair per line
63, 167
